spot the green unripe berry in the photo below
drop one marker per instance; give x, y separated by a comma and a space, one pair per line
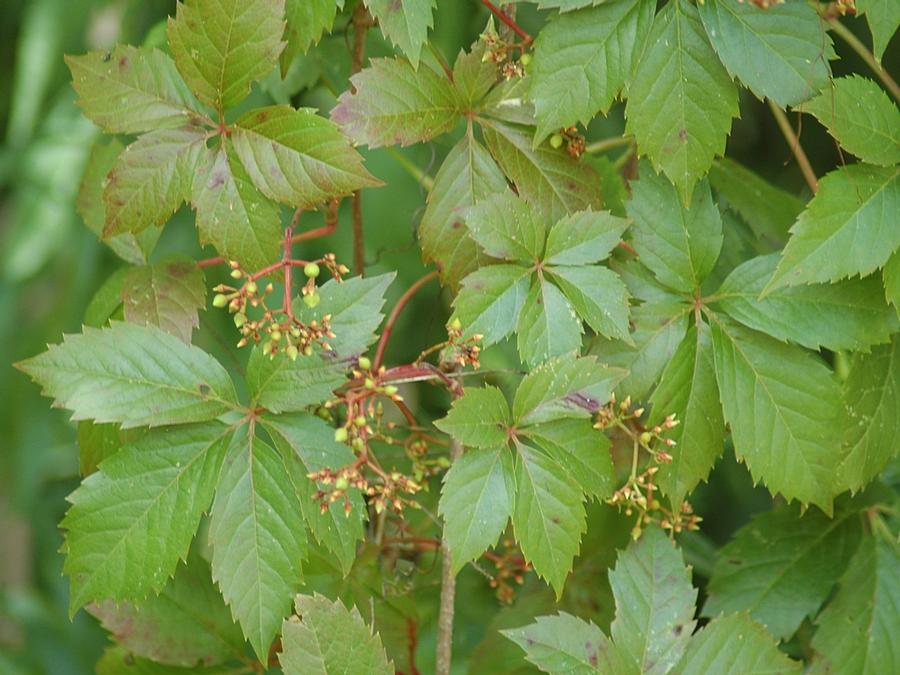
556, 141
341, 483
525, 59
364, 363
275, 335
358, 444
341, 435
390, 390
456, 324
220, 300
311, 270
308, 350
240, 319
360, 421
236, 274
292, 352
646, 437
369, 383
311, 300
251, 287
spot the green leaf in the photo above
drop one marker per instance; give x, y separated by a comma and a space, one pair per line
467, 175
861, 116
232, 214
222, 46
306, 21
780, 53
566, 5
281, 385
509, 102
583, 238
117, 660
133, 520
507, 227
567, 644
491, 299
107, 301
583, 59
296, 157
473, 76
185, 625
781, 567
598, 295
549, 516
548, 179
781, 404
394, 103
580, 449
309, 646
477, 501
134, 375
258, 540
680, 245
166, 294
129, 90
405, 23
96, 442
480, 418
734, 645
891, 275
883, 17
872, 407
688, 389
847, 228
548, 326
151, 179
564, 387
681, 100
856, 632
654, 604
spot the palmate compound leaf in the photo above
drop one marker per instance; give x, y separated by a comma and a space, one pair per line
258, 539
848, 228
129, 90
325, 638
688, 389
490, 300
780, 53
507, 227
583, 59
883, 17
861, 116
477, 501
598, 295
480, 418
394, 103
133, 520
583, 238
297, 157
548, 325
305, 22
405, 23
856, 633
681, 100
849, 314
222, 46
781, 566
133, 375
782, 404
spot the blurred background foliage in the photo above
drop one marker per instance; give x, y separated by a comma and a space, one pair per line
51, 266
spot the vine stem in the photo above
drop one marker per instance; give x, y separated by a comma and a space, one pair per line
362, 21
608, 144
395, 312
504, 17
866, 55
794, 143
448, 595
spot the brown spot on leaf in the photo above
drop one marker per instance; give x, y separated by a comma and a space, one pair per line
682, 135
456, 225
123, 62
204, 389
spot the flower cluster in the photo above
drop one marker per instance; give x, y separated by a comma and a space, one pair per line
510, 566
574, 141
499, 51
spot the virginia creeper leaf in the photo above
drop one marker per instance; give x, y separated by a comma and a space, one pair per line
883, 17
282, 385
507, 227
306, 21
548, 326
583, 238
491, 299
891, 275
598, 295
480, 418
405, 23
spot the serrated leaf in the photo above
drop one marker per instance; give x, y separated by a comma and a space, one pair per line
116, 660
564, 387
134, 375
550, 180
282, 385
598, 295
680, 245
566, 644
845, 315
151, 179
129, 90
549, 516
473, 76
296, 157
580, 449
222, 46
781, 566
258, 540
107, 301
847, 228
861, 116
167, 294
566, 5
480, 418
309, 646
507, 227
681, 100
871, 399
508, 102
688, 389
477, 500
405, 23
185, 625
467, 175
232, 214
305, 22
781, 404
654, 604
734, 645
883, 17
780, 52
548, 326
133, 520
96, 442
583, 238
891, 276
583, 59
855, 632
394, 103
491, 299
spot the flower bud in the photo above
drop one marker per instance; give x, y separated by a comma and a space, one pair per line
341, 435
236, 274
251, 287
364, 363
456, 324
360, 421
311, 300
292, 352
220, 300
369, 383
646, 437
240, 319
341, 483
556, 141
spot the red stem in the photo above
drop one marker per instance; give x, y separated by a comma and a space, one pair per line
500, 14
392, 319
